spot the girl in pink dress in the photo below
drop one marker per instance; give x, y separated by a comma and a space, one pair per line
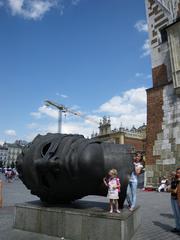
113, 184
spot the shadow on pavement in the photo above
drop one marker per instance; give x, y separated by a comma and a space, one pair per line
168, 215
165, 227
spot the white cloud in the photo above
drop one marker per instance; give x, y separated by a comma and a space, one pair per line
1, 142
61, 95
149, 76
70, 127
128, 109
36, 9
141, 26
125, 103
139, 74
128, 120
1, 3
93, 120
116, 106
45, 111
32, 125
78, 128
49, 111
29, 137
64, 96
31, 9
146, 48
36, 115
41, 129
75, 2
10, 132
80, 124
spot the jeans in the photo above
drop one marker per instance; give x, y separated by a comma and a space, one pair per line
176, 212
131, 194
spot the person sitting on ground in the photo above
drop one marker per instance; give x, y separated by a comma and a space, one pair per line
163, 185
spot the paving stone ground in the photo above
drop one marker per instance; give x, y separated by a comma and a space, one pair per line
157, 218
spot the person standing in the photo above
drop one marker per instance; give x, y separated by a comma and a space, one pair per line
133, 181
175, 199
113, 184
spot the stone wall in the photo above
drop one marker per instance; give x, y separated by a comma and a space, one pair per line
163, 149
163, 102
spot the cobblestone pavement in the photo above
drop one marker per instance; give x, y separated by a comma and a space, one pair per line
157, 218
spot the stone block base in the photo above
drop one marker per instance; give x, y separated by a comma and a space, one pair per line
82, 220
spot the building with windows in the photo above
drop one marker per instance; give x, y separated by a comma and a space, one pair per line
163, 99
12, 151
134, 136
3, 155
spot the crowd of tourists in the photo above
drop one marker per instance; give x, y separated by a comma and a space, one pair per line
10, 173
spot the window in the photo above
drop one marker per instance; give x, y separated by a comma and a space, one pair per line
164, 37
174, 48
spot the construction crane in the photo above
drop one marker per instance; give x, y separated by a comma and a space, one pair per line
63, 109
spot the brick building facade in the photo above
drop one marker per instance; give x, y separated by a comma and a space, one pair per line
163, 99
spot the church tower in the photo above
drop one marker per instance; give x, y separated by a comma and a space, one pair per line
163, 99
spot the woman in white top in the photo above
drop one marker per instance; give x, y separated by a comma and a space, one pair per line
133, 181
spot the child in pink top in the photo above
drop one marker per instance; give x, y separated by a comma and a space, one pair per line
113, 185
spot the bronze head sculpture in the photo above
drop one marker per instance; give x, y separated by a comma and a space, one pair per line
61, 168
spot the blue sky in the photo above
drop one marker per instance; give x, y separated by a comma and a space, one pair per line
90, 55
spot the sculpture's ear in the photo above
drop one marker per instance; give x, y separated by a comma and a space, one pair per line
91, 160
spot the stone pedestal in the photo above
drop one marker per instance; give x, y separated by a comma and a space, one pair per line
82, 220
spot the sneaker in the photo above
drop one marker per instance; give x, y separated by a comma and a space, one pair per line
131, 209
111, 211
118, 211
